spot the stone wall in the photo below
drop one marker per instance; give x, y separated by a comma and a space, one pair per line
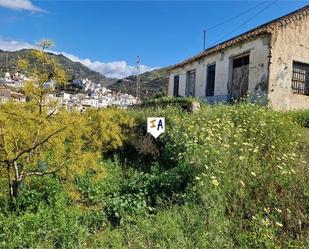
289, 43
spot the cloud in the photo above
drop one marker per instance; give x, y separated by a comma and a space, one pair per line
114, 69
11, 45
20, 5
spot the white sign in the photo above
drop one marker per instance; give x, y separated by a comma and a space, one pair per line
155, 126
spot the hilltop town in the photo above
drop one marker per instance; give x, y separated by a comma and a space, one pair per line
88, 94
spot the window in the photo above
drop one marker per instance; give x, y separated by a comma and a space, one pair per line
210, 83
176, 85
300, 78
190, 88
241, 61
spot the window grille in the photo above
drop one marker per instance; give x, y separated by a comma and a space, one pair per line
300, 78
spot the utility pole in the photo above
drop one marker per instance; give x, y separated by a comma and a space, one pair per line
7, 60
204, 39
138, 87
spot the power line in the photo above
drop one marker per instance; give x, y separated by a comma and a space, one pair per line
244, 23
235, 17
229, 20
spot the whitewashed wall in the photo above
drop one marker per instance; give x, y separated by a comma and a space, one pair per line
258, 69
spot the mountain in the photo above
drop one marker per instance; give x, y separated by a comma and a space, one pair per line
74, 69
151, 83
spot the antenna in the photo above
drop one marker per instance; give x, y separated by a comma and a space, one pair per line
204, 39
138, 92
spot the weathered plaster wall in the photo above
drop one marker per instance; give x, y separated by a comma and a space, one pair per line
258, 70
289, 43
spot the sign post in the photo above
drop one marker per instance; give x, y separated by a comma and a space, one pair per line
155, 126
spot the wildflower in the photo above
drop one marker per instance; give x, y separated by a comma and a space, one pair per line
265, 222
253, 173
279, 224
242, 183
266, 210
241, 158
197, 178
215, 182
278, 210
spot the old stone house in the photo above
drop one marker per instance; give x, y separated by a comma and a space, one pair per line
270, 63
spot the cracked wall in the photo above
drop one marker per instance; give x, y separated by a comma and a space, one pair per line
289, 43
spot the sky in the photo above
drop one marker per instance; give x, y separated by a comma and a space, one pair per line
107, 36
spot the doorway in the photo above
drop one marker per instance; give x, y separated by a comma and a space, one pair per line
240, 78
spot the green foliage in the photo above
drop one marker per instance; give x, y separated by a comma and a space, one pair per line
53, 227
301, 117
163, 102
151, 83
223, 177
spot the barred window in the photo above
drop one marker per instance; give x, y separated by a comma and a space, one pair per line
300, 78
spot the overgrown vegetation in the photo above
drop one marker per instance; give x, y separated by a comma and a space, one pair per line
222, 177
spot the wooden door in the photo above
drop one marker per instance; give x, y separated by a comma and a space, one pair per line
191, 77
240, 78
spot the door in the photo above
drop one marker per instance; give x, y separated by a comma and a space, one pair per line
210, 83
176, 86
240, 78
190, 90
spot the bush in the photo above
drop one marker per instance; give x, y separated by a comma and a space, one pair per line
163, 102
248, 162
56, 227
301, 117
224, 177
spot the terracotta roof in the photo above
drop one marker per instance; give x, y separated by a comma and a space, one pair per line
263, 29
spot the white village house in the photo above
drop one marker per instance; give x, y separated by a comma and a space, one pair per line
271, 61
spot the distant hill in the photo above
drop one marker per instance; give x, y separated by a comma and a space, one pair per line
74, 69
152, 83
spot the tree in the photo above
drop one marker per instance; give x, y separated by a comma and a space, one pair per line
39, 138
27, 128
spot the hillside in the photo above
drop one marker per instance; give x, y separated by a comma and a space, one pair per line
74, 69
152, 82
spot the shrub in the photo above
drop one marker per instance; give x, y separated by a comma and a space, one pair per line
163, 102
301, 117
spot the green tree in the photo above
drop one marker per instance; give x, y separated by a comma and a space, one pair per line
26, 128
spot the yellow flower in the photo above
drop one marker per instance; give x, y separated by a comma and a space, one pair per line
215, 182
253, 173
278, 210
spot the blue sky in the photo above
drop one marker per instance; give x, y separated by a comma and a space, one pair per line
107, 35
